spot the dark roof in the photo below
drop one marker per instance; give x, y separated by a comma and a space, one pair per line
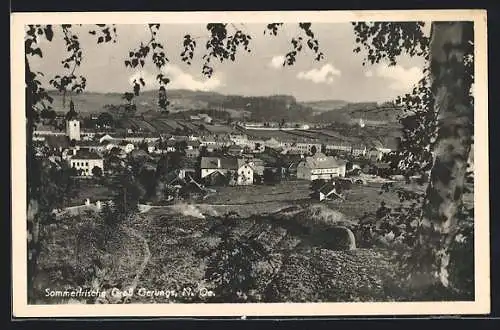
56, 141
235, 147
71, 115
87, 143
327, 188
82, 154
139, 153
229, 163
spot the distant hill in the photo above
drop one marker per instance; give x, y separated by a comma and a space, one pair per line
369, 112
259, 108
90, 102
325, 105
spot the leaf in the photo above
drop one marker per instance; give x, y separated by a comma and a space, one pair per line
49, 34
37, 51
100, 40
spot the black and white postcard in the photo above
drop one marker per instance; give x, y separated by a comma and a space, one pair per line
250, 163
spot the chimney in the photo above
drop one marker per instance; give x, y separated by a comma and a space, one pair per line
218, 163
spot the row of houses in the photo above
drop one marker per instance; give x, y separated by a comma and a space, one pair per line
243, 170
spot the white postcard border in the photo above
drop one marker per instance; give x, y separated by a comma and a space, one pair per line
481, 305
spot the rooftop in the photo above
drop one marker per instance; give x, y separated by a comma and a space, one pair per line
81, 154
320, 160
225, 163
56, 141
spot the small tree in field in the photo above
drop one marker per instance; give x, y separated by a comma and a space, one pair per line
97, 171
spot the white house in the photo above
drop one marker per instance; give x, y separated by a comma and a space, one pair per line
85, 162
245, 173
320, 166
359, 150
126, 146
239, 139
341, 146
240, 169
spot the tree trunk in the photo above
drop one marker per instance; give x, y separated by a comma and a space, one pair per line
450, 84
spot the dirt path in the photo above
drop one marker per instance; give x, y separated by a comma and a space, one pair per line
147, 256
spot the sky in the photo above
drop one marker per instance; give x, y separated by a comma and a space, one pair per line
339, 76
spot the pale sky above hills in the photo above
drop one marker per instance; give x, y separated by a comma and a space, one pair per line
339, 76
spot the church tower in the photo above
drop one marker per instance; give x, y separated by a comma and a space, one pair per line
72, 123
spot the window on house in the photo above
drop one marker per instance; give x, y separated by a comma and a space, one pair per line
86, 163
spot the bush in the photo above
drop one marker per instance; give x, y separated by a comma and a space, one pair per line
320, 215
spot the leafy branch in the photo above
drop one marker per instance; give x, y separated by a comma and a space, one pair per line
384, 40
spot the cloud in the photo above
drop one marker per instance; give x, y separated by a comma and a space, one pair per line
325, 74
178, 80
401, 79
277, 61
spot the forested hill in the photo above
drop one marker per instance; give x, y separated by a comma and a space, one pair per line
259, 108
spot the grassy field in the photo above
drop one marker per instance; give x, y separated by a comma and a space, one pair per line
269, 198
165, 248
91, 190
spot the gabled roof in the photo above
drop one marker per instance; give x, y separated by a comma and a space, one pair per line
227, 163
56, 141
320, 160
83, 154
327, 188
88, 143
242, 162
209, 162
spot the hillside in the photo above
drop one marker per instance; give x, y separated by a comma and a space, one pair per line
325, 105
262, 108
91, 102
371, 113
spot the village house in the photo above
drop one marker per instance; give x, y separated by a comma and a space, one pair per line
126, 146
320, 166
327, 191
169, 145
85, 162
45, 130
374, 154
339, 146
235, 150
192, 153
359, 150
192, 144
87, 135
214, 142
56, 144
273, 143
255, 145
92, 146
239, 139
206, 118
302, 148
237, 170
